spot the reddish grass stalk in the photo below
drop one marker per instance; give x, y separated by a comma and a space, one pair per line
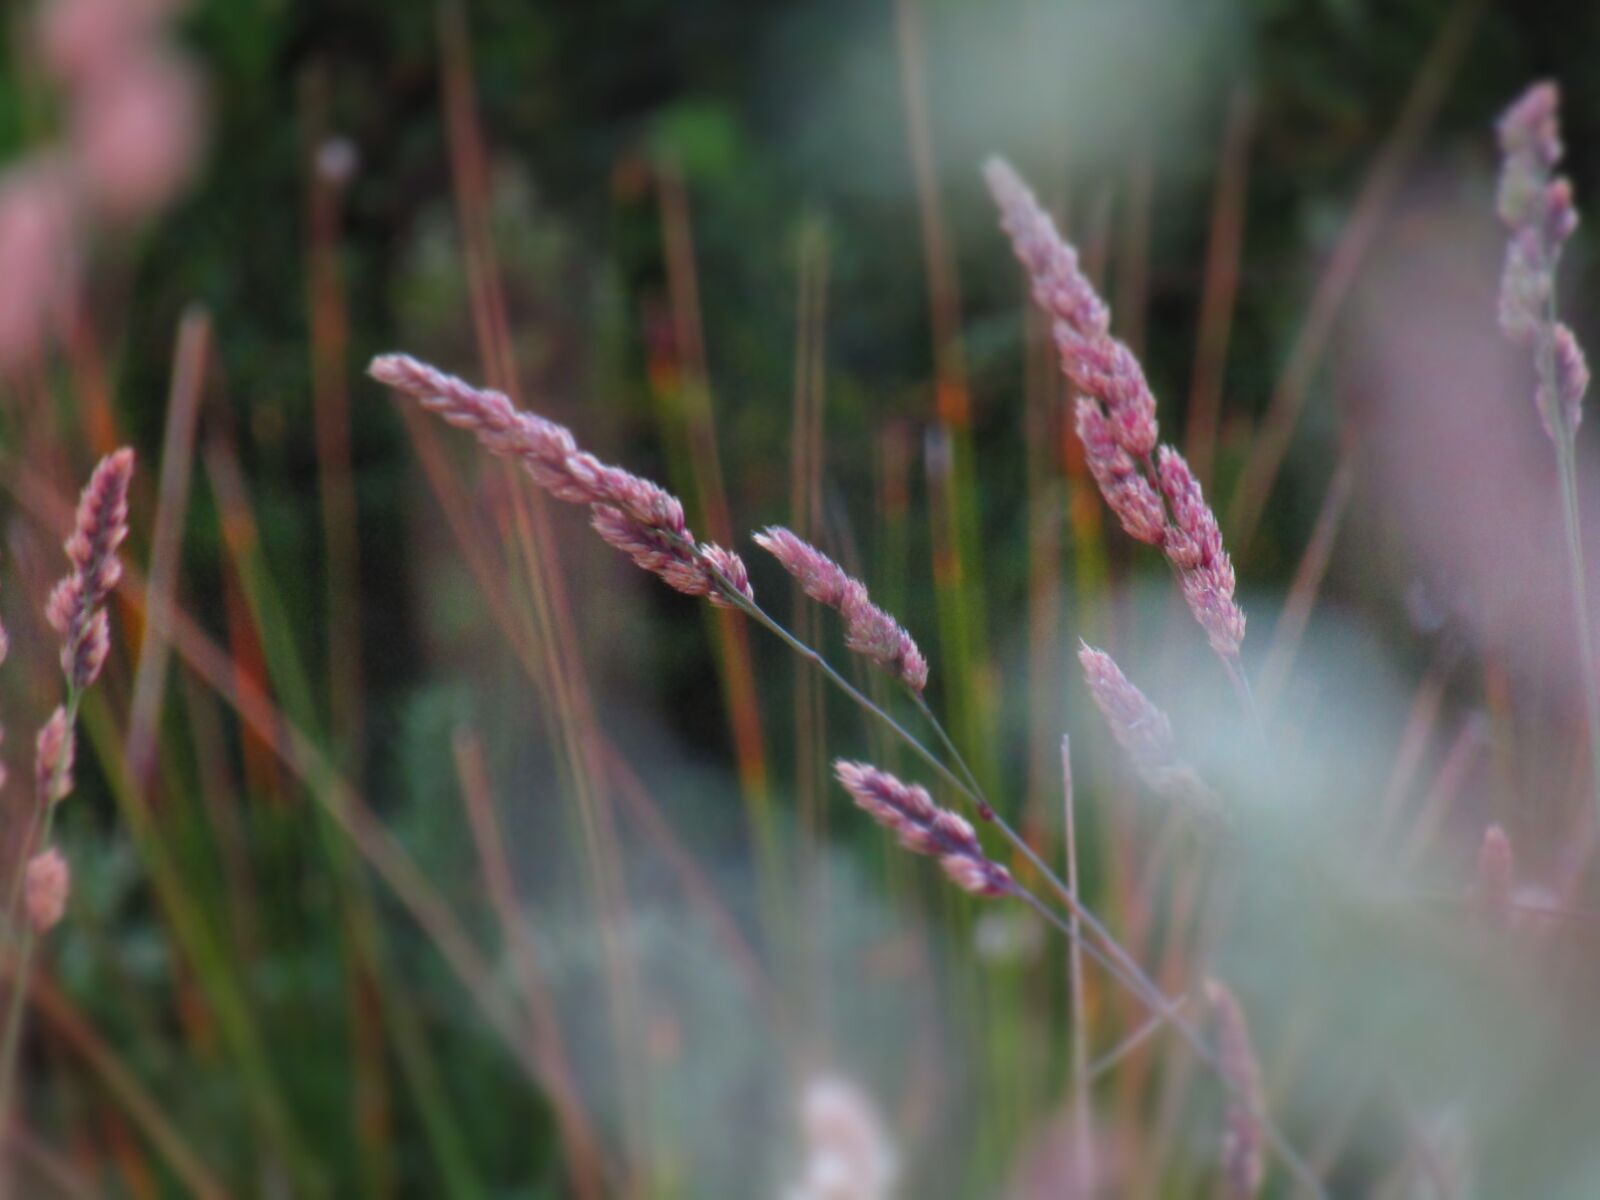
330, 339
1288, 633
582, 1148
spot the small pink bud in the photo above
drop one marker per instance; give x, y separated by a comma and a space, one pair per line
47, 883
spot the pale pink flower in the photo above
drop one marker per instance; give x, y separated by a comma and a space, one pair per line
40, 258
47, 882
136, 133
924, 828
81, 39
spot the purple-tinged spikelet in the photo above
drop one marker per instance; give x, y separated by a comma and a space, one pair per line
1059, 286
1538, 210
868, 629
1496, 875
818, 575
1243, 1138
1194, 545
46, 883
638, 517
1145, 733
1116, 419
53, 753
1141, 728
1122, 482
924, 828
76, 606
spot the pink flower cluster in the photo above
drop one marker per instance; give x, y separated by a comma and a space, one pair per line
131, 139
868, 629
632, 514
1536, 206
924, 828
1157, 500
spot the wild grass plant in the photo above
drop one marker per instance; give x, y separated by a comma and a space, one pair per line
596, 912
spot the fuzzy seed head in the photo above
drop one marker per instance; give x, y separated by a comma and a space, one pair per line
1141, 728
1059, 286
923, 827
818, 575
732, 568
76, 606
1538, 210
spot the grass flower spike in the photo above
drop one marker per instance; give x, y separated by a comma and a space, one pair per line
633, 515
1537, 208
1243, 1142
868, 629
924, 828
76, 609
1145, 732
1157, 499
